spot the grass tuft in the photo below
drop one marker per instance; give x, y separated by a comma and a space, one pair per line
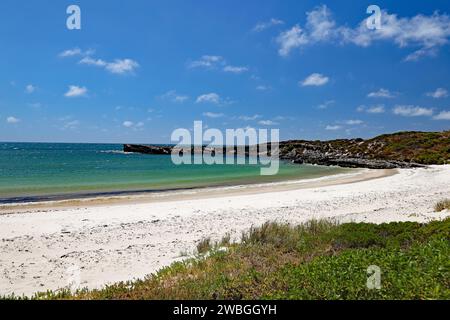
442, 205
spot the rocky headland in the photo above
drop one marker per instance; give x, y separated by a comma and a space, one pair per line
398, 150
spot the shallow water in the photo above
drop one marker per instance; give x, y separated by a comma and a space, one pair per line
38, 170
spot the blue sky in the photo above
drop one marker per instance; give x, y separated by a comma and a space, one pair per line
137, 70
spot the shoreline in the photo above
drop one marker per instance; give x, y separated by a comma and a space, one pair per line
112, 242
145, 196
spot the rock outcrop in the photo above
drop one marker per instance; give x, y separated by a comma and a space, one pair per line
398, 150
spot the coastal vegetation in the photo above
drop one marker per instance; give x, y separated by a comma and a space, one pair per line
388, 150
316, 260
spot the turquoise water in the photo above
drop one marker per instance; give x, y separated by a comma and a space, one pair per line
31, 171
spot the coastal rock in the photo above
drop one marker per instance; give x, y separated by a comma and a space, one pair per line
399, 150
147, 149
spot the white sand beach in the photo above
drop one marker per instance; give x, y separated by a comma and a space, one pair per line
120, 239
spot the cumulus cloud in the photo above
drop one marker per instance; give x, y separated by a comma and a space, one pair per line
262, 88
268, 24
443, 115
234, 69
30, 89
425, 33
208, 98
320, 24
207, 61
12, 120
76, 91
333, 127
353, 122
70, 125
250, 118
268, 123
213, 115
412, 111
118, 66
173, 96
122, 66
291, 39
371, 109
382, 93
315, 79
93, 62
438, 93
131, 125
76, 52
325, 105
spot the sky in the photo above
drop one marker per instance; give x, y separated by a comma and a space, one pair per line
137, 70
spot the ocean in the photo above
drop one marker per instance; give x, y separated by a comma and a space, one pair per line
46, 171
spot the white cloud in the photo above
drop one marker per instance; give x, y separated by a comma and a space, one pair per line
206, 61
438, 93
371, 109
213, 115
262, 88
118, 66
76, 52
131, 125
265, 25
382, 93
173, 96
216, 62
333, 127
93, 62
353, 122
325, 105
209, 98
426, 33
320, 24
319, 27
443, 115
12, 120
30, 89
70, 53
315, 79
122, 66
71, 125
234, 69
268, 123
412, 111
291, 39
76, 91
250, 118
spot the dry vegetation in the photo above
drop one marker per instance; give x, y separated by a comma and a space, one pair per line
412, 146
442, 205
